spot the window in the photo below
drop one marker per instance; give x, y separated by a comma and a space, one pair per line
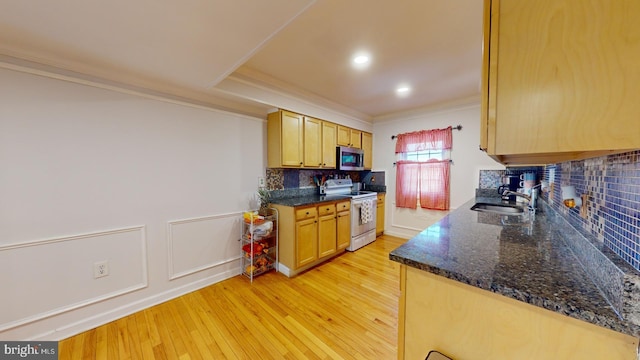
425, 155
422, 169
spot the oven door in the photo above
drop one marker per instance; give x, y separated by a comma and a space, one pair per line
358, 227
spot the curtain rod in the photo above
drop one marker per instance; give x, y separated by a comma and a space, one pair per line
450, 161
459, 127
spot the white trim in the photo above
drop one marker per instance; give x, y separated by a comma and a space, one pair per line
240, 85
441, 108
52, 72
90, 301
132, 307
170, 224
283, 269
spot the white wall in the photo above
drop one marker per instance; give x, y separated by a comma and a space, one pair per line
468, 160
89, 174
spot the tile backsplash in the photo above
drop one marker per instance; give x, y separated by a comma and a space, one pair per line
612, 184
284, 179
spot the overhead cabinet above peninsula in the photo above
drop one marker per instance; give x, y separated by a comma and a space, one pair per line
299, 141
560, 79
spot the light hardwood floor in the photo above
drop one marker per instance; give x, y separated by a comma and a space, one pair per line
346, 308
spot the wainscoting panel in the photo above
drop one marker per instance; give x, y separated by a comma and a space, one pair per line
48, 277
202, 243
407, 223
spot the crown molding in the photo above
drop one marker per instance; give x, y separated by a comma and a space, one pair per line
256, 86
207, 98
448, 106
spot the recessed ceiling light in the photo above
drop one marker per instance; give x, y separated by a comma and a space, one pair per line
403, 90
361, 60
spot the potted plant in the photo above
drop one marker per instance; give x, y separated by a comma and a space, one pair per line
264, 196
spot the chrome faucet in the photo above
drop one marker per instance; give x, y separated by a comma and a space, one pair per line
533, 198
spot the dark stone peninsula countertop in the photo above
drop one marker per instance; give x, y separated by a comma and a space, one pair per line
514, 256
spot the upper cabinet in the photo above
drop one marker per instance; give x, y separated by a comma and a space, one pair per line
295, 140
312, 142
285, 139
560, 79
367, 147
329, 144
349, 137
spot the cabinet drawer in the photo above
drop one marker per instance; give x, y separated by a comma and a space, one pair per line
306, 213
380, 199
326, 209
343, 206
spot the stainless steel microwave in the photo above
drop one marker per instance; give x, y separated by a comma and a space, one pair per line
349, 158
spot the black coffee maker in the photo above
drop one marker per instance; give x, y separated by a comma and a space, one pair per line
511, 183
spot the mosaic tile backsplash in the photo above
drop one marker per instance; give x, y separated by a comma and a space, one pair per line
612, 184
491, 179
290, 179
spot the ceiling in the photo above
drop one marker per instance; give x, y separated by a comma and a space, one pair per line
255, 55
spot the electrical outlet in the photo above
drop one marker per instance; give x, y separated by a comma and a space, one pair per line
261, 182
100, 269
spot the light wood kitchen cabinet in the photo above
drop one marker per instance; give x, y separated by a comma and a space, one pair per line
349, 137
466, 322
299, 141
319, 143
367, 147
327, 227
309, 235
560, 79
329, 144
380, 214
343, 236
285, 139
313, 150
306, 236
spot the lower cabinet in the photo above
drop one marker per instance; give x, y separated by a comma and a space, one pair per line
327, 244
306, 231
380, 214
466, 322
343, 236
312, 234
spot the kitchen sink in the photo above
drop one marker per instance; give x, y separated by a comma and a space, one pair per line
502, 209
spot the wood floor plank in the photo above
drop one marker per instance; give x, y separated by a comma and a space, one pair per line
346, 308
102, 348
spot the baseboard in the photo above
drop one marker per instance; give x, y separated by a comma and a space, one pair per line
398, 234
120, 312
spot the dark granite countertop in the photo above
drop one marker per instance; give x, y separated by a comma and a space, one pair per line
304, 199
308, 200
520, 258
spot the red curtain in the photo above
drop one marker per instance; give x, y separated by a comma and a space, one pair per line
434, 185
430, 179
437, 139
407, 179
